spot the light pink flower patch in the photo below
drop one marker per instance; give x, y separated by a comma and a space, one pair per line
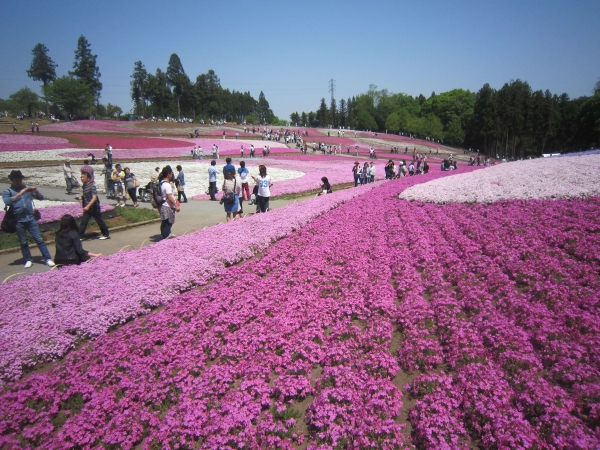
20, 142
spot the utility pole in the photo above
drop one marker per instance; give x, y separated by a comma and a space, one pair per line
332, 88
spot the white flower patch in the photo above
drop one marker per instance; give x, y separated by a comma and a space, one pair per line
40, 204
565, 177
196, 175
38, 155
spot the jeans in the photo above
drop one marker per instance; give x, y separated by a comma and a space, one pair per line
181, 194
165, 228
262, 204
34, 230
69, 185
94, 212
212, 188
131, 193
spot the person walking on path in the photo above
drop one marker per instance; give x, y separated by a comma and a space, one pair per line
181, 185
264, 189
244, 173
117, 176
87, 168
15, 127
91, 207
212, 180
169, 206
69, 250
69, 174
356, 173
20, 196
108, 153
232, 186
228, 167
130, 185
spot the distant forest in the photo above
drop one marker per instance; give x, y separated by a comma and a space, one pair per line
513, 121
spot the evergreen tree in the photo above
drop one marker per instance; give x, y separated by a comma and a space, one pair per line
264, 112
85, 67
176, 78
158, 93
322, 114
333, 114
139, 79
342, 114
42, 67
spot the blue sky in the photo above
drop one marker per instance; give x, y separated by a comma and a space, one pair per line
290, 50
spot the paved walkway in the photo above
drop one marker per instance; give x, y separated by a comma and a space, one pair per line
194, 215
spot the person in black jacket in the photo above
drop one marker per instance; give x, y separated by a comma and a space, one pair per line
68, 243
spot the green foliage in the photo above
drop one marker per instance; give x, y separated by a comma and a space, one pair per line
70, 94
12, 240
178, 80
42, 67
264, 112
365, 121
454, 132
322, 116
25, 99
590, 120
455, 103
135, 215
139, 80
85, 68
295, 118
392, 123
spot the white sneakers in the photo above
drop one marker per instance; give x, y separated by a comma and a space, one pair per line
102, 238
48, 262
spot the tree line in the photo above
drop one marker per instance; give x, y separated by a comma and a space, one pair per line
512, 122
172, 93
74, 95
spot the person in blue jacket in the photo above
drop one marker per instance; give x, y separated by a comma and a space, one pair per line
20, 197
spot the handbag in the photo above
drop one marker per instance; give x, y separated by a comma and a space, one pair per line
9, 222
37, 215
229, 197
136, 183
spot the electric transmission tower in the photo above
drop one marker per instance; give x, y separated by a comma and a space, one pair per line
332, 88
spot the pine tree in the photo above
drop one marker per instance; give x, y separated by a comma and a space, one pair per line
176, 77
85, 67
139, 79
42, 67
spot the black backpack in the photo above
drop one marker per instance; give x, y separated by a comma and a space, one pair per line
9, 222
157, 198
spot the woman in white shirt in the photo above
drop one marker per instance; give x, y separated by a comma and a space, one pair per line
264, 189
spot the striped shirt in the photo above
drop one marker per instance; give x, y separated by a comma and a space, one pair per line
89, 190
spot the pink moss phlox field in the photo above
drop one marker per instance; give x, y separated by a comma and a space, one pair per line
55, 213
298, 328
49, 312
338, 171
91, 126
19, 142
304, 345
